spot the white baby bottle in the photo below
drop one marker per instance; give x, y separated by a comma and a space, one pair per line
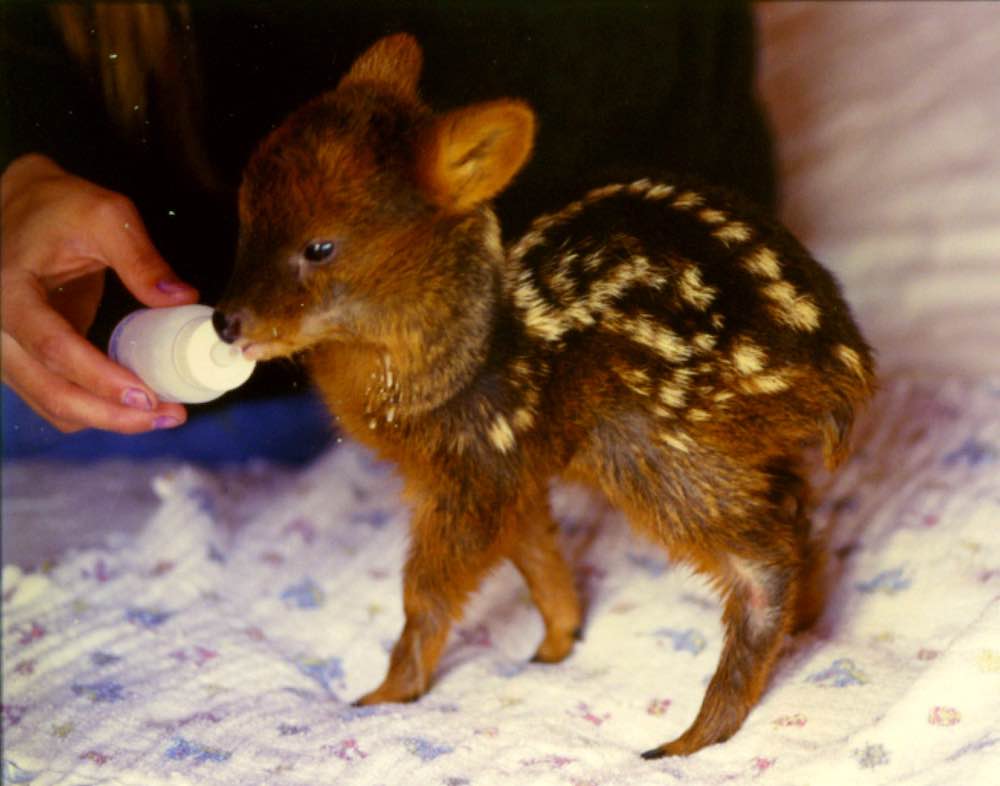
177, 352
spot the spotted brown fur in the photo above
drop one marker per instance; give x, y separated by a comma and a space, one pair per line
661, 341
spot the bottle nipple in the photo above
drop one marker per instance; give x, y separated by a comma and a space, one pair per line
207, 361
224, 355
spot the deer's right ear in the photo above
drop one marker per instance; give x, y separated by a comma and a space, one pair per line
467, 156
394, 61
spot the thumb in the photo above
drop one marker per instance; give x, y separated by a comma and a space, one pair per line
143, 271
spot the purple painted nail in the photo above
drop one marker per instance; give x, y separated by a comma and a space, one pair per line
171, 287
137, 399
166, 421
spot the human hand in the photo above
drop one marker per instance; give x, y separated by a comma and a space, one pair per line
58, 235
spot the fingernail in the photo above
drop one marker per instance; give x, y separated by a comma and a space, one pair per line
166, 421
172, 287
137, 399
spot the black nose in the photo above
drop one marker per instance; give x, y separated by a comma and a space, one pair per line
228, 328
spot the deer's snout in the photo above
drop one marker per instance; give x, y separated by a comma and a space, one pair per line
228, 326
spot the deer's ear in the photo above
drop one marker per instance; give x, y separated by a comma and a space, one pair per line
467, 156
394, 61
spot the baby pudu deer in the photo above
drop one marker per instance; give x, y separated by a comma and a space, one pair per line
665, 344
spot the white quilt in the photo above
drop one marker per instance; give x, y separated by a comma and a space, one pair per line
224, 642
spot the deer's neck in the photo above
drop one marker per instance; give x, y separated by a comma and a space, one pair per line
428, 349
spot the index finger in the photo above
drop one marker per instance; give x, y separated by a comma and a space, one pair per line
132, 255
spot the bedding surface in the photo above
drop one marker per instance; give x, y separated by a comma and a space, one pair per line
223, 645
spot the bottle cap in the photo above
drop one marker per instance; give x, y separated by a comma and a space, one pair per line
207, 361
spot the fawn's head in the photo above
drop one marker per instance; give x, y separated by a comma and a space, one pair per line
364, 213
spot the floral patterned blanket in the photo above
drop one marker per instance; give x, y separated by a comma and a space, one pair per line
224, 644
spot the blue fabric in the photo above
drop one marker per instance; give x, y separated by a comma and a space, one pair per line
286, 430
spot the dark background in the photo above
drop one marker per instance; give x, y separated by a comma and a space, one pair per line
622, 90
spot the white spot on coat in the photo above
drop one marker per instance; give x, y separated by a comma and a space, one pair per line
704, 342
790, 308
851, 359
748, 358
540, 318
524, 418
712, 216
603, 192
764, 263
644, 330
693, 290
635, 379
659, 191
688, 199
677, 441
672, 395
501, 434
765, 383
735, 232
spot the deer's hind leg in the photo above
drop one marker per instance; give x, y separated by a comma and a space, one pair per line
534, 550
760, 591
770, 570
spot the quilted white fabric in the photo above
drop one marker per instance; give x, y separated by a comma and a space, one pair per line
226, 651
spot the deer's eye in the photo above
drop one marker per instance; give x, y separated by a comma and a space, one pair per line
319, 252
